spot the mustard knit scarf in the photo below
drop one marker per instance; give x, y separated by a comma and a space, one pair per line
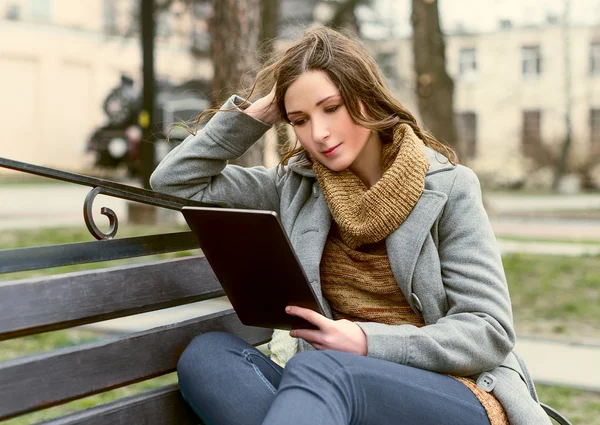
369, 215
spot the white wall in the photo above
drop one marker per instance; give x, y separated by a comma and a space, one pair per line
499, 93
53, 81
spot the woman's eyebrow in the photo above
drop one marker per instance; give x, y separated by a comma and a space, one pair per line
318, 103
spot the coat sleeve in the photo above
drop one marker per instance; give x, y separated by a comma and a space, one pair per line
476, 334
198, 168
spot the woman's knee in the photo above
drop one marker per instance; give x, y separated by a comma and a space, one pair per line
204, 349
324, 364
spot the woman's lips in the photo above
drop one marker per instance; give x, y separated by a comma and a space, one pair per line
332, 151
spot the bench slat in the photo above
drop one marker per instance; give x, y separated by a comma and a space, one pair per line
13, 260
162, 406
46, 380
42, 304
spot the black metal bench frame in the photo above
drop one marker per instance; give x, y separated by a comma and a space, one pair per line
35, 305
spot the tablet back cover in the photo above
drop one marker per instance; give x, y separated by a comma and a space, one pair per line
254, 261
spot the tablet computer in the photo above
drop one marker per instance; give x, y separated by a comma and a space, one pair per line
255, 263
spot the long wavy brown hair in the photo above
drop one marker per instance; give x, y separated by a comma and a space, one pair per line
356, 75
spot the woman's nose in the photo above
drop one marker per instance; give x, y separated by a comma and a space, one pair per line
320, 130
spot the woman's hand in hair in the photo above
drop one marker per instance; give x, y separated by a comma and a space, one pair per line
339, 335
265, 109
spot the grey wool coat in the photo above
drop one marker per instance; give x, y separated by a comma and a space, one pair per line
444, 256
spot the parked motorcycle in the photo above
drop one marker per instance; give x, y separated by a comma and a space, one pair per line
118, 141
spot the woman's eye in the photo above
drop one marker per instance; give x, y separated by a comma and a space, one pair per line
331, 109
298, 122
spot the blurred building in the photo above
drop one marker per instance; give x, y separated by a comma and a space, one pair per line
511, 88
60, 58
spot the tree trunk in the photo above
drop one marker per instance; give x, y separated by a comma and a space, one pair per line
235, 31
269, 12
269, 32
434, 87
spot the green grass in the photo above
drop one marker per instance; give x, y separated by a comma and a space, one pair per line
41, 343
580, 407
530, 192
562, 293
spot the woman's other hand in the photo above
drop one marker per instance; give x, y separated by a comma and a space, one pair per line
265, 109
339, 335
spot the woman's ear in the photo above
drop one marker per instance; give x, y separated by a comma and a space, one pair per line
363, 110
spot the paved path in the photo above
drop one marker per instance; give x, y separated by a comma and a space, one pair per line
556, 363
546, 228
500, 203
52, 205
61, 204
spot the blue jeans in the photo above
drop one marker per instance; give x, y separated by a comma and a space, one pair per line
229, 382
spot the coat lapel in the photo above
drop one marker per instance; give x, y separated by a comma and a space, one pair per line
309, 241
404, 244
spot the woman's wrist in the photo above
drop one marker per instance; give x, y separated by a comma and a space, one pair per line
266, 113
265, 109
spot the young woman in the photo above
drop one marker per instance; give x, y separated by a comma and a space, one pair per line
392, 235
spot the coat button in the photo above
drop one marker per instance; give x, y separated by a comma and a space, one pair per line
417, 303
315, 190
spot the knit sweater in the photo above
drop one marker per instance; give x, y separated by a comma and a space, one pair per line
359, 286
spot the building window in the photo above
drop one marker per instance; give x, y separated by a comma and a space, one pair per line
201, 38
163, 25
595, 58
532, 61
387, 64
13, 12
467, 62
595, 131
41, 10
109, 11
531, 137
466, 123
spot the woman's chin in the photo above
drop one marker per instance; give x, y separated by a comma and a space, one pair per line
334, 164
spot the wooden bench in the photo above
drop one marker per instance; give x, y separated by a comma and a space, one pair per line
40, 304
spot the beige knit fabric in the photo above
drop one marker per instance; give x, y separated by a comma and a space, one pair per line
369, 215
282, 347
490, 403
359, 285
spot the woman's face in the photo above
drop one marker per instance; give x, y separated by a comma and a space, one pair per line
322, 123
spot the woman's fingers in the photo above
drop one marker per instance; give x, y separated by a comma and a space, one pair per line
309, 335
265, 109
309, 315
341, 335
316, 337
